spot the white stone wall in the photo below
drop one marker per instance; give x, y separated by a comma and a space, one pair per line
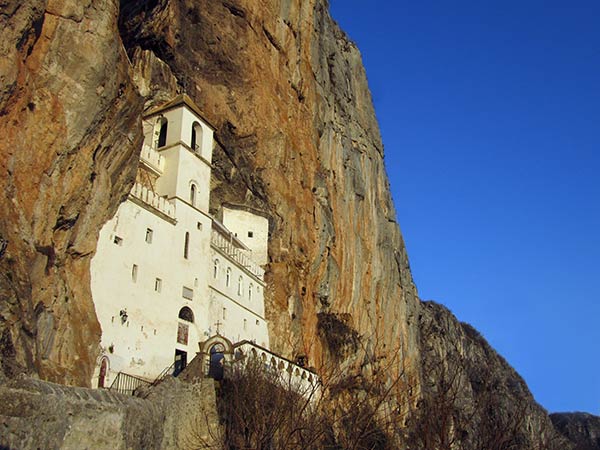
243, 317
251, 229
145, 343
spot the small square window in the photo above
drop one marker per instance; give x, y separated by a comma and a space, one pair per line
118, 240
149, 234
157, 284
250, 234
187, 293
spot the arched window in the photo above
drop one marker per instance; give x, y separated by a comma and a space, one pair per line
186, 245
162, 134
228, 278
215, 268
193, 190
186, 314
196, 137
240, 283
250, 289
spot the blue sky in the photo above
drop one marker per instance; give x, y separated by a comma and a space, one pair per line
490, 117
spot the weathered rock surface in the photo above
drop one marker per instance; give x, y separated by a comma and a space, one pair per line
298, 139
287, 92
69, 119
472, 397
36, 414
581, 429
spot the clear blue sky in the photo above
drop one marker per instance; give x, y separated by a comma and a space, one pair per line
490, 116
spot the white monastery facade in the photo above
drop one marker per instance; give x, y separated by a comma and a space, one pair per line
167, 275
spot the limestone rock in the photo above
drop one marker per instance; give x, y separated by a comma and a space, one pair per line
471, 395
35, 414
582, 429
69, 117
287, 92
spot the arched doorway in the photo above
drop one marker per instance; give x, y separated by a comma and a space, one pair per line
216, 352
103, 372
186, 318
217, 360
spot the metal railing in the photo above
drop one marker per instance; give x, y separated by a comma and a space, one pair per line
164, 374
128, 384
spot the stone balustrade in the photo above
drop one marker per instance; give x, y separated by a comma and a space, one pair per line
241, 256
152, 158
300, 379
153, 200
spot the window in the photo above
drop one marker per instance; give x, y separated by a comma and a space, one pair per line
134, 272
250, 234
250, 288
193, 194
228, 278
240, 283
162, 133
224, 313
149, 234
245, 324
186, 314
157, 284
186, 245
199, 226
187, 293
215, 268
257, 322
118, 240
196, 140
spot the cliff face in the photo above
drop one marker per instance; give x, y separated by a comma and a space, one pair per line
298, 140
472, 398
288, 95
582, 429
69, 118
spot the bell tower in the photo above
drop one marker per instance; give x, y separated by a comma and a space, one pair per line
184, 139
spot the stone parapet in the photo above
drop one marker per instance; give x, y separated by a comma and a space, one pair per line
241, 256
152, 199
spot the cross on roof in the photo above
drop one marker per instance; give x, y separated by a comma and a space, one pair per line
218, 324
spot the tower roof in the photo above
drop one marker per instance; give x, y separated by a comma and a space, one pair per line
180, 100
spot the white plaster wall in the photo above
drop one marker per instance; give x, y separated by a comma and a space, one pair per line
145, 344
174, 129
255, 303
167, 182
193, 169
206, 143
239, 306
241, 222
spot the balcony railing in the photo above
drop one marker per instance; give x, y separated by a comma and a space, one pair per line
152, 158
239, 255
154, 200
